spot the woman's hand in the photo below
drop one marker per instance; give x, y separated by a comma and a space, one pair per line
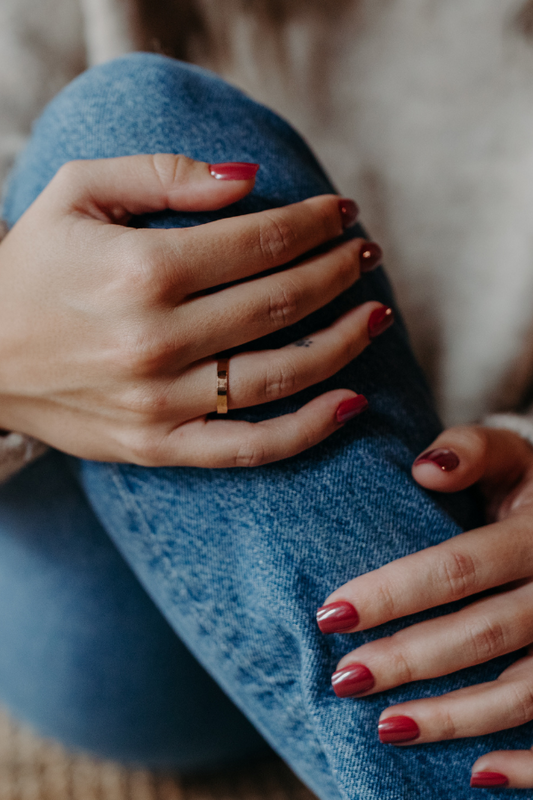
500, 556
107, 333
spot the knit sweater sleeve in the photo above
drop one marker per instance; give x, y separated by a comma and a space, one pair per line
522, 424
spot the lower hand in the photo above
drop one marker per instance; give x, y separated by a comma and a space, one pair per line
497, 556
109, 334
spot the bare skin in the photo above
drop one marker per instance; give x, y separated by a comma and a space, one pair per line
497, 556
108, 341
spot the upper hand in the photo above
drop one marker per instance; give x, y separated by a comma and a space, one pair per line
495, 556
108, 337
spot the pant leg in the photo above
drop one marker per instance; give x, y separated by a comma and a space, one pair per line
239, 560
85, 656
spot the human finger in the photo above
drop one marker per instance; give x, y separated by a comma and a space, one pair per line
266, 304
215, 443
464, 455
460, 567
114, 189
231, 249
473, 711
510, 769
490, 627
264, 376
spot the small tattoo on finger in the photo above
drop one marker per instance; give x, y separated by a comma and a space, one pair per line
303, 343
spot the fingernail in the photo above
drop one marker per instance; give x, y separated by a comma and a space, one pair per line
349, 212
480, 780
234, 171
337, 617
351, 408
398, 729
379, 320
370, 257
447, 460
352, 680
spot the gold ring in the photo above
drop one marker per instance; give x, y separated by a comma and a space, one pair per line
222, 386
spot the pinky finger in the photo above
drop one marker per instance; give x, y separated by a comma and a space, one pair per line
505, 769
228, 443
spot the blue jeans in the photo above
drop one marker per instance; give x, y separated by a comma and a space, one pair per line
108, 570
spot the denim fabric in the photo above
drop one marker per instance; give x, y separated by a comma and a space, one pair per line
237, 561
85, 655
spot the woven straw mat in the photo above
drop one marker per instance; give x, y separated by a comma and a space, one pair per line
32, 768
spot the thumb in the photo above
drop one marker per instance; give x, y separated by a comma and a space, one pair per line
114, 189
462, 456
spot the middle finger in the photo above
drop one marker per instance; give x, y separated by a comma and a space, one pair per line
488, 628
246, 312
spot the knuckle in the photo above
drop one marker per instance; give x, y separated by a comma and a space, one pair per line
277, 238
147, 401
143, 353
170, 169
143, 447
281, 380
251, 453
141, 277
447, 726
308, 436
521, 702
399, 664
283, 305
457, 570
385, 600
487, 641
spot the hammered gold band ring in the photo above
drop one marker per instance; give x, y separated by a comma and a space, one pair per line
222, 386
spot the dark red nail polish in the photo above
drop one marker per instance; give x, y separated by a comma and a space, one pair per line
351, 408
379, 320
481, 780
398, 729
447, 460
370, 257
234, 171
337, 617
352, 680
349, 212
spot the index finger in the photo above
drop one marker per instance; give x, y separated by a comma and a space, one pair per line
460, 567
235, 248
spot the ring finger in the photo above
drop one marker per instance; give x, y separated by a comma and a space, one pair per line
473, 711
264, 376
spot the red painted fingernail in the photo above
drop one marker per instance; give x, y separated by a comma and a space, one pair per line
398, 729
480, 780
446, 459
370, 257
349, 212
352, 680
337, 617
379, 320
234, 171
351, 408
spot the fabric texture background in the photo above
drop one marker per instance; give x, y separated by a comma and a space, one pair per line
237, 561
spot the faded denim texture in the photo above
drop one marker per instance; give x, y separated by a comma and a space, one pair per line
235, 561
